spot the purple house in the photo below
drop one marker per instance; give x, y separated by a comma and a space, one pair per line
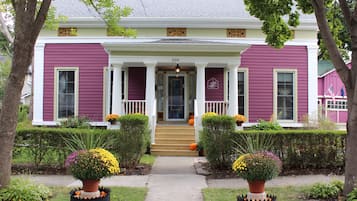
332, 97
189, 57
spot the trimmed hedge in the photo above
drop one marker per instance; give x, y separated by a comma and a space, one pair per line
46, 142
128, 144
131, 144
216, 139
298, 149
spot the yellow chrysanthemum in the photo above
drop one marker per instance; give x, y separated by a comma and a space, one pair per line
239, 164
209, 114
108, 159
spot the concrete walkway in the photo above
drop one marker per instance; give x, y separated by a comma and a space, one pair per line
175, 179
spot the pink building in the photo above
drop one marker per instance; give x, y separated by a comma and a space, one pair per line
187, 58
332, 97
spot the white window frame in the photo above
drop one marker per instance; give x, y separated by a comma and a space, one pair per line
76, 90
246, 91
335, 105
295, 94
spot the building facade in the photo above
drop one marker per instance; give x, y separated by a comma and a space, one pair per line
187, 59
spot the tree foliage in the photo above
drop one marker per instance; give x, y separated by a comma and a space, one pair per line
29, 17
329, 15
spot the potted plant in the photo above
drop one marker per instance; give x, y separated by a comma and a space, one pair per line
239, 119
112, 118
257, 168
90, 166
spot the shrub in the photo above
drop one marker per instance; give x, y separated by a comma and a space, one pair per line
209, 114
75, 122
260, 166
252, 143
352, 196
216, 139
44, 143
92, 164
267, 125
325, 191
24, 189
23, 113
132, 142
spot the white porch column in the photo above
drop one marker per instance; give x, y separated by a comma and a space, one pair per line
38, 74
312, 51
233, 89
150, 97
200, 97
116, 97
200, 88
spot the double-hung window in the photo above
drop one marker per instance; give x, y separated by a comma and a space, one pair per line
66, 102
285, 94
243, 92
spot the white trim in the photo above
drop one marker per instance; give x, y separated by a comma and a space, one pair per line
55, 94
246, 91
188, 22
181, 74
150, 40
38, 85
295, 94
55, 123
105, 92
328, 72
312, 82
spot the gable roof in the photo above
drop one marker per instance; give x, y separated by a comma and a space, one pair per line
324, 67
169, 9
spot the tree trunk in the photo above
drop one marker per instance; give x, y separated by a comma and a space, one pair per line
8, 116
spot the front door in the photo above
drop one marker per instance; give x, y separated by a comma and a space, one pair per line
176, 97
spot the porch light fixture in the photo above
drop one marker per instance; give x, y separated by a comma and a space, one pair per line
178, 69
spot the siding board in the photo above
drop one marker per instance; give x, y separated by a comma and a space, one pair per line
261, 60
90, 59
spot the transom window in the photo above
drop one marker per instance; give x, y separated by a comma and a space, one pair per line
336, 104
66, 103
285, 94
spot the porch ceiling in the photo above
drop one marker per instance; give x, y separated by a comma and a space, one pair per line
178, 45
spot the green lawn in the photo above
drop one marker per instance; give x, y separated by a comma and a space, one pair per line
284, 193
148, 159
116, 193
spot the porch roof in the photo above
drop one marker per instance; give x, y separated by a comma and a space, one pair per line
178, 45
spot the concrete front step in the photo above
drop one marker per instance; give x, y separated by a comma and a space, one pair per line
160, 152
171, 146
174, 141
171, 136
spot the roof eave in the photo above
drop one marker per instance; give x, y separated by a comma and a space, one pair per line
188, 22
155, 46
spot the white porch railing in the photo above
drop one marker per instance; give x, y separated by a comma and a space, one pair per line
134, 106
219, 107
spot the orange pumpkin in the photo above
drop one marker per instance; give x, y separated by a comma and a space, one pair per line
193, 146
191, 122
191, 116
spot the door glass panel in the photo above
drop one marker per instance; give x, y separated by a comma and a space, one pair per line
176, 97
